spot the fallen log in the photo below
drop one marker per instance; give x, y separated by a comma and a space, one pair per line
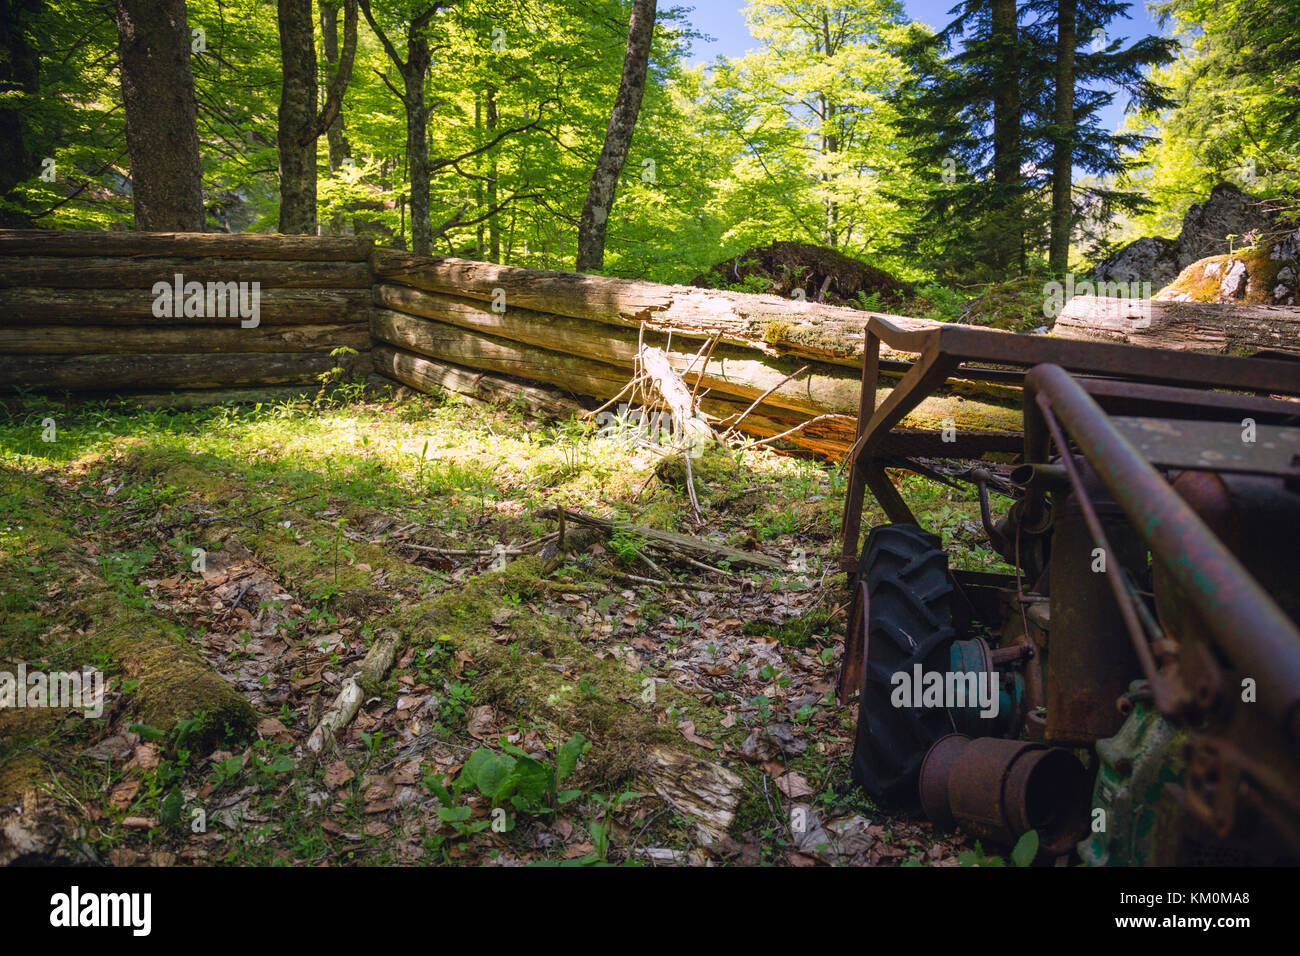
246, 245
152, 371
101, 340
127, 273
739, 379
426, 374
446, 343
737, 371
618, 345
669, 540
1188, 326
50, 306
770, 323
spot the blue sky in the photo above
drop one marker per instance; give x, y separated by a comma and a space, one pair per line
724, 20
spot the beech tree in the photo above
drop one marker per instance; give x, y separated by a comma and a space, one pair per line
618, 138
300, 125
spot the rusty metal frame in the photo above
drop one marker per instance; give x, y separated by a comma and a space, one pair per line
1243, 619
1119, 376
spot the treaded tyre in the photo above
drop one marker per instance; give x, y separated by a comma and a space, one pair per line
909, 622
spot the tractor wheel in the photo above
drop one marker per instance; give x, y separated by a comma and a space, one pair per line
909, 622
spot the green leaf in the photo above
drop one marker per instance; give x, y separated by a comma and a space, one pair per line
454, 814
444, 796
567, 756
1026, 849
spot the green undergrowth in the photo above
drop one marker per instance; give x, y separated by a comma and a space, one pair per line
383, 515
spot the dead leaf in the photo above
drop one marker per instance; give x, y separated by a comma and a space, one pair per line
794, 786
481, 721
687, 729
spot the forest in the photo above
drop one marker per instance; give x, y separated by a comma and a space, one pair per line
513, 433
977, 153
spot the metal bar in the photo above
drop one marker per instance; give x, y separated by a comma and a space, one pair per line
851, 527
1247, 624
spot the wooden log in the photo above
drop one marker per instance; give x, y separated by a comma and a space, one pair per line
101, 273
426, 374
244, 245
778, 326
730, 371
669, 540
1190, 326
446, 343
100, 340
735, 371
49, 306
106, 373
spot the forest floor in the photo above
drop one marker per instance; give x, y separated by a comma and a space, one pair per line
228, 567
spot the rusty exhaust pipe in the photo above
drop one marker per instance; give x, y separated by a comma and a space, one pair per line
997, 790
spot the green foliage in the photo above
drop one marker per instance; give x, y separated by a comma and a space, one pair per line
512, 778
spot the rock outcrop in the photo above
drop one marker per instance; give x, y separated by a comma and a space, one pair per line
1206, 227
1265, 274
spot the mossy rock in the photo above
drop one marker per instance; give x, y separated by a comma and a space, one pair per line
1265, 274
1016, 306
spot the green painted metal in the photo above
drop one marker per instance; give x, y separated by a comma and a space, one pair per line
1133, 768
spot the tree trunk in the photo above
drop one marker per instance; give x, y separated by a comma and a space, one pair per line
20, 75
298, 92
494, 230
618, 138
1006, 218
299, 123
417, 139
1058, 258
1186, 326
339, 147
153, 41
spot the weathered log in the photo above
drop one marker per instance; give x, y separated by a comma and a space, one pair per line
704, 792
669, 540
426, 374
446, 343
1190, 326
729, 371
77, 242
778, 326
49, 306
127, 273
153, 371
732, 370
740, 371
100, 340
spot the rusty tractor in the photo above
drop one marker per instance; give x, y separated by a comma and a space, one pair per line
1129, 689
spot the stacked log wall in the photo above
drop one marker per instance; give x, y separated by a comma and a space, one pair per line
84, 312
